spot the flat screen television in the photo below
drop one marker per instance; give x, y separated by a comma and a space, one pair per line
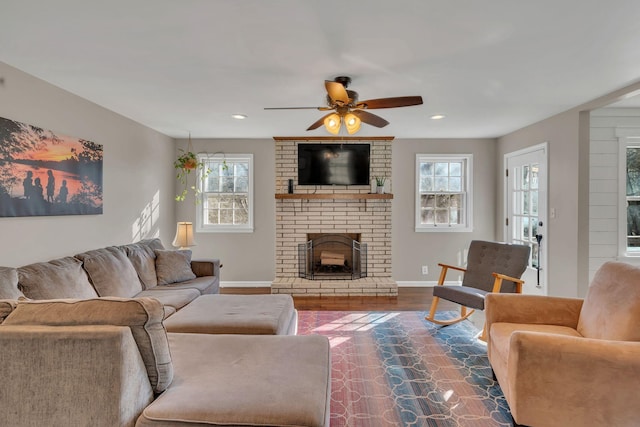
333, 164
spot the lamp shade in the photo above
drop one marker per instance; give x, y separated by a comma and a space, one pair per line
352, 123
184, 235
332, 123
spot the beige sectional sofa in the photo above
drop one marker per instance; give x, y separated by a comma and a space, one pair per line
84, 342
142, 269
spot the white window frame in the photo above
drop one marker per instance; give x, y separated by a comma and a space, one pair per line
467, 213
626, 138
201, 227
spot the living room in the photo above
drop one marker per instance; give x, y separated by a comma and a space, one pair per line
140, 184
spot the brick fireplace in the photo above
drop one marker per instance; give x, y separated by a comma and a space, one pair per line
333, 209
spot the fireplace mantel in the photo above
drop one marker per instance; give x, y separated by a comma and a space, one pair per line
334, 196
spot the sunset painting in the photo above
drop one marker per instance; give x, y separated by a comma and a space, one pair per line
43, 173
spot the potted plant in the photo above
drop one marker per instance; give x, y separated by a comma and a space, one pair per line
380, 184
186, 163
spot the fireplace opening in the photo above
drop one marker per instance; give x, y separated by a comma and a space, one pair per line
333, 256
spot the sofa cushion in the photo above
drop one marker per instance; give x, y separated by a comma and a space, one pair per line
111, 272
59, 278
142, 315
244, 380
611, 309
143, 259
176, 298
173, 266
9, 283
152, 244
6, 307
204, 285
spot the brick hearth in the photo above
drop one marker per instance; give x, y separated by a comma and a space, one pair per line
295, 218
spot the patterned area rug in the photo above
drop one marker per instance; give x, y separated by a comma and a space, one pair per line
397, 369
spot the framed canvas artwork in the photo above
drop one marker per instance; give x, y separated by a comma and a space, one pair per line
44, 173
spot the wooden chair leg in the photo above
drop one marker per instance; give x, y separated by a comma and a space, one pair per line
483, 337
464, 314
434, 306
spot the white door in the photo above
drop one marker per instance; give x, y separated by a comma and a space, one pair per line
526, 211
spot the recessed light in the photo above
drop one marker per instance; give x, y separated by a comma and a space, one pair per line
239, 116
437, 117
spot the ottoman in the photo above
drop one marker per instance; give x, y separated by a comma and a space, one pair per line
242, 380
236, 314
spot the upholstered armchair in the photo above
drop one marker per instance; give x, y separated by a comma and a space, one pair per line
567, 361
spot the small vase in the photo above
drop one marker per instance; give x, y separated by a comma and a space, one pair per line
380, 189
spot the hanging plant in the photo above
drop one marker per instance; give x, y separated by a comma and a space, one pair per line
186, 163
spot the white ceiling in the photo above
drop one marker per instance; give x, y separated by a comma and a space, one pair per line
179, 66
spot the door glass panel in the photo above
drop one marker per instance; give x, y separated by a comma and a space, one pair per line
517, 203
534, 256
525, 208
525, 178
525, 229
535, 167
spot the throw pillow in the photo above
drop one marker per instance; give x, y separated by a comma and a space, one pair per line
6, 307
144, 261
60, 278
173, 266
111, 272
142, 315
9, 283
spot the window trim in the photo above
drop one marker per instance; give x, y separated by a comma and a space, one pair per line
225, 228
467, 212
626, 138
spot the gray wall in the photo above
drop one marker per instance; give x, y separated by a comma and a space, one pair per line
562, 236
568, 135
137, 171
250, 257
412, 250
247, 257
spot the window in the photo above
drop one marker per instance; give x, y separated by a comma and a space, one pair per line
443, 192
631, 203
226, 194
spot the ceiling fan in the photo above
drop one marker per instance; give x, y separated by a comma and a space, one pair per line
348, 110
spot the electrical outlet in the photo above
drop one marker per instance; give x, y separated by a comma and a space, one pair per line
425, 270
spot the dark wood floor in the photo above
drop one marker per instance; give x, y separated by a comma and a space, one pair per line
408, 299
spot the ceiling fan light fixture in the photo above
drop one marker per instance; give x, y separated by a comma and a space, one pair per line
332, 123
352, 122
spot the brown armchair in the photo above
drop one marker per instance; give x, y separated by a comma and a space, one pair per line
491, 267
568, 361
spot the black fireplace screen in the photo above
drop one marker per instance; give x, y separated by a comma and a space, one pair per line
332, 256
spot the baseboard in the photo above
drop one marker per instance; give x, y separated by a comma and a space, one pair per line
245, 284
424, 284
401, 284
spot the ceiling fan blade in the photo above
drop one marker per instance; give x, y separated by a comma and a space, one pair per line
400, 101
294, 108
370, 119
336, 92
319, 123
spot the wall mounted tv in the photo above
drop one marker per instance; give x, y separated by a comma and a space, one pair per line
333, 164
